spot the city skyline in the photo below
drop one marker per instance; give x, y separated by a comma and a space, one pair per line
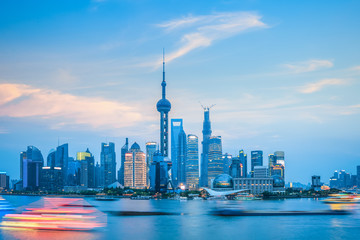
270, 95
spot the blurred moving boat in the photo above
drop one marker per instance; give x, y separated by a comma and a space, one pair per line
237, 212
246, 197
55, 214
342, 199
4, 205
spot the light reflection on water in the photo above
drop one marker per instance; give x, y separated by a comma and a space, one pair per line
196, 222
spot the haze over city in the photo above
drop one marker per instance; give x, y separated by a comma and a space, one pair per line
283, 77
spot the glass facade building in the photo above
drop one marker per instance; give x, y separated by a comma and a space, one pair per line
108, 164
124, 150
204, 181
215, 161
192, 162
176, 129
256, 160
135, 171
31, 164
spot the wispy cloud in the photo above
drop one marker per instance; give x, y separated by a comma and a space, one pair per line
61, 109
202, 31
309, 66
317, 86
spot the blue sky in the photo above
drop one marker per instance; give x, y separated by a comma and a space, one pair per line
283, 76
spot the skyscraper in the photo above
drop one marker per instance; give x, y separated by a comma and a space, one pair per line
227, 159
50, 160
51, 179
215, 165
280, 157
256, 160
181, 158
205, 148
243, 162
87, 168
108, 164
124, 150
236, 168
192, 162
176, 128
272, 160
159, 177
135, 171
32, 162
163, 106
61, 159
150, 150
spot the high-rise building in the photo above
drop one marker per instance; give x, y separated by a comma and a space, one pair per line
243, 162
215, 165
236, 168
124, 150
181, 159
205, 148
135, 171
32, 162
176, 129
192, 162
108, 164
272, 161
256, 160
261, 172
315, 183
163, 106
51, 179
4, 181
358, 176
87, 168
159, 177
98, 175
73, 172
61, 159
280, 157
150, 150
50, 160
227, 160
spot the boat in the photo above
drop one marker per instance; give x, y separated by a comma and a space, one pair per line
245, 197
342, 198
238, 212
105, 198
140, 198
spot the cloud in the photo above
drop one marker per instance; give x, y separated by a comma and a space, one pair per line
309, 66
202, 31
61, 109
317, 86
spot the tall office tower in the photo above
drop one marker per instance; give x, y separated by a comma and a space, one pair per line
98, 175
280, 157
51, 179
272, 161
30, 168
73, 172
243, 162
4, 181
108, 164
315, 183
176, 128
181, 158
135, 174
61, 159
358, 176
236, 168
159, 177
205, 148
163, 106
256, 160
261, 172
215, 165
227, 159
192, 162
50, 160
124, 150
87, 168
150, 150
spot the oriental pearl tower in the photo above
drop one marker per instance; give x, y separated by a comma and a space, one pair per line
163, 106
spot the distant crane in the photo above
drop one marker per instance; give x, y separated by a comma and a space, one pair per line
206, 107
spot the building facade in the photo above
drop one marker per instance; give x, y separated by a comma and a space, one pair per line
204, 182
176, 129
108, 164
256, 186
215, 161
135, 171
124, 150
32, 162
192, 162
256, 160
227, 160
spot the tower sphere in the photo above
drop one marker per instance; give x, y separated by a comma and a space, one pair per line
163, 105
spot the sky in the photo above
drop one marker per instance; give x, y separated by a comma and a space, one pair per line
284, 76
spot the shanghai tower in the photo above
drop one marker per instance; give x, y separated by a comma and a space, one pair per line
205, 148
163, 106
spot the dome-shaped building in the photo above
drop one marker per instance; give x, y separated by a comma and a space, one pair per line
223, 181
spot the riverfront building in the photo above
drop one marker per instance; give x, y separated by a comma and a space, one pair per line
204, 182
215, 163
124, 150
176, 129
254, 185
135, 171
192, 162
108, 164
256, 160
31, 163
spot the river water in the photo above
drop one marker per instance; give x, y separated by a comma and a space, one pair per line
194, 221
